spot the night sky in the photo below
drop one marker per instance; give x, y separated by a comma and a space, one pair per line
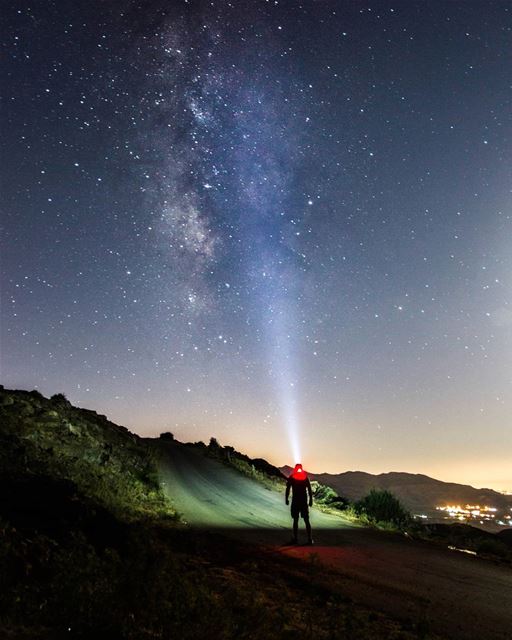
286, 225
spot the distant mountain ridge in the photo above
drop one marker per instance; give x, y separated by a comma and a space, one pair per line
416, 491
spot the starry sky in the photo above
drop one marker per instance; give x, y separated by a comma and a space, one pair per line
283, 224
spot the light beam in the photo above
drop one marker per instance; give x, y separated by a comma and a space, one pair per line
285, 382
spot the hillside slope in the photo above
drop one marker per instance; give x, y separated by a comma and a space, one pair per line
49, 438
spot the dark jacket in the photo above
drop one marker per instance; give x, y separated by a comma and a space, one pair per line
301, 489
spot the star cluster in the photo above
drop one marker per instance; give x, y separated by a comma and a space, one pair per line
255, 220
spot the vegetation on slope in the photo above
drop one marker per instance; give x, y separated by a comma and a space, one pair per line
382, 508
327, 498
105, 462
255, 468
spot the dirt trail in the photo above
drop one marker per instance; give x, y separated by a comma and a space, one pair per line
455, 595
209, 494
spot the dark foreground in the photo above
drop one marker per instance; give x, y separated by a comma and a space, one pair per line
84, 574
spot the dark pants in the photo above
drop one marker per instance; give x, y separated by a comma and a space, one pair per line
300, 509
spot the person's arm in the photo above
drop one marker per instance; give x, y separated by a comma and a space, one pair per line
310, 492
288, 486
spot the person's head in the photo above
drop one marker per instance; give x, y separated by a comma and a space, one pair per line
298, 472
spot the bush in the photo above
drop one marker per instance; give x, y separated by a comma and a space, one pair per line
59, 398
214, 444
167, 436
493, 548
327, 496
382, 507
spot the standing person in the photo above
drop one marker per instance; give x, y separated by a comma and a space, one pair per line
300, 486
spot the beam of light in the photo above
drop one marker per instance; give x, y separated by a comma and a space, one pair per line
270, 231
282, 368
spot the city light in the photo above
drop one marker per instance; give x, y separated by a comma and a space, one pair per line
469, 512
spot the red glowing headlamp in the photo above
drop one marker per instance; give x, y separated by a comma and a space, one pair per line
299, 473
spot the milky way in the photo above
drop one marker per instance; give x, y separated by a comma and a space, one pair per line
281, 224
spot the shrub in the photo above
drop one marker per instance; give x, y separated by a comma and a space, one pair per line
167, 435
214, 444
327, 496
382, 507
59, 398
493, 547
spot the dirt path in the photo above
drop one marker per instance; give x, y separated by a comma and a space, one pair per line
209, 494
453, 594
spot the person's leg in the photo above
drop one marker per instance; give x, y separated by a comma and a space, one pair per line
295, 527
308, 529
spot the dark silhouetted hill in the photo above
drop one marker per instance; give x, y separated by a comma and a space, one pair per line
416, 491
